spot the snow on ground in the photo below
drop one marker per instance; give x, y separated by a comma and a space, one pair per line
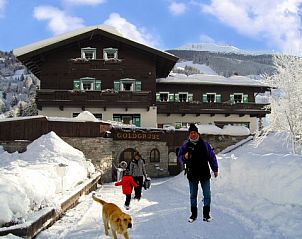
202, 67
257, 195
31, 180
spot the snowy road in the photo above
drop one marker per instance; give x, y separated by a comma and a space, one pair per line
161, 213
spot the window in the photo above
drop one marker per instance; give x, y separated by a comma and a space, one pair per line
183, 97
127, 85
110, 53
238, 98
211, 98
154, 156
88, 53
128, 119
164, 97
87, 84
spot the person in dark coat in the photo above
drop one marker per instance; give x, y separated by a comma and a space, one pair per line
138, 172
197, 155
127, 183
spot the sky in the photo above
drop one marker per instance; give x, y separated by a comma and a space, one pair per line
272, 25
256, 195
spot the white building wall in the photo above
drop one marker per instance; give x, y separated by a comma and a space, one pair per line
148, 118
206, 119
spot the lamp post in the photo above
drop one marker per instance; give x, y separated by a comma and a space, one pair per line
61, 170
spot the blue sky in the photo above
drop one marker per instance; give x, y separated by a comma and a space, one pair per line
164, 24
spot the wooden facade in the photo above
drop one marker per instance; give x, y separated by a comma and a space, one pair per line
97, 69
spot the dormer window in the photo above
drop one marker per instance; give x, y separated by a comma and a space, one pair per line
110, 54
88, 53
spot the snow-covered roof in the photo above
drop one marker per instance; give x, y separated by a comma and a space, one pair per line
59, 38
201, 79
49, 41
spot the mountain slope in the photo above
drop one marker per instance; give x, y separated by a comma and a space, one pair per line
228, 62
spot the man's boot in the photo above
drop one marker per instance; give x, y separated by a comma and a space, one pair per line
206, 214
193, 216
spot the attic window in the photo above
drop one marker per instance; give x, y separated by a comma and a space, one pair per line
88, 53
110, 53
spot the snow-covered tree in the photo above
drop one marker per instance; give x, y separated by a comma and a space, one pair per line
286, 100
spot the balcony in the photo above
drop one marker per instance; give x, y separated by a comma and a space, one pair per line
80, 64
83, 99
241, 109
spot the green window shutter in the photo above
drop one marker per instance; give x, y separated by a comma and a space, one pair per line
176, 98
245, 98
137, 121
138, 85
76, 84
171, 98
98, 85
204, 98
218, 98
190, 97
117, 85
157, 97
232, 100
177, 125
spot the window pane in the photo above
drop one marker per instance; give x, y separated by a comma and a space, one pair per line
164, 97
154, 155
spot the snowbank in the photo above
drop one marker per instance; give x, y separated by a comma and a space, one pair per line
31, 180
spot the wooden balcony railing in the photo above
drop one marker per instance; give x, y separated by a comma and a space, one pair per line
253, 109
64, 98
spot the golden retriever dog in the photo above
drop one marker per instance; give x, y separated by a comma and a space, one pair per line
112, 215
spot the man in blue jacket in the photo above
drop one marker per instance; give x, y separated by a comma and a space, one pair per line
196, 154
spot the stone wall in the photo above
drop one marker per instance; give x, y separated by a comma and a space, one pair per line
105, 153
144, 147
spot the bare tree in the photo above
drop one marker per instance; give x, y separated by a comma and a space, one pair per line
286, 99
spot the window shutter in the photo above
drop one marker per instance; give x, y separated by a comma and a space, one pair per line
117, 85
138, 85
171, 98
218, 98
232, 99
157, 97
177, 125
245, 98
176, 98
98, 85
190, 97
204, 98
76, 84
137, 121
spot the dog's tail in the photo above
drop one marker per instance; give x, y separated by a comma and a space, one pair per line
95, 198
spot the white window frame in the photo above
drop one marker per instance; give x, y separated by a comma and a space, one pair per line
166, 93
183, 93
86, 50
108, 57
127, 81
211, 94
87, 80
241, 97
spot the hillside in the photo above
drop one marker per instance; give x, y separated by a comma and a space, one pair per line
228, 63
17, 87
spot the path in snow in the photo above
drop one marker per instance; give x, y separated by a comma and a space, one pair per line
161, 213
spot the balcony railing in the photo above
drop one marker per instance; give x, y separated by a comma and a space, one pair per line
122, 99
253, 109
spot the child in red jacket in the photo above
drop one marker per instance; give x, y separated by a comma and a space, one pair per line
127, 183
